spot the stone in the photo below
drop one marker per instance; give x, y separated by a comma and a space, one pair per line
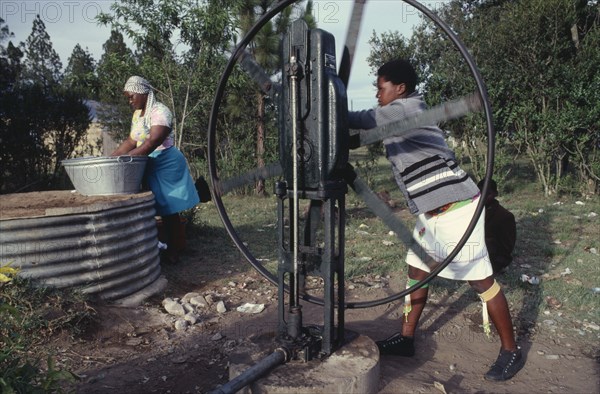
174, 308
221, 307
181, 325
189, 296
167, 300
134, 341
251, 308
192, 318
199, 301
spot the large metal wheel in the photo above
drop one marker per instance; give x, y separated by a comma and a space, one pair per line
441, 113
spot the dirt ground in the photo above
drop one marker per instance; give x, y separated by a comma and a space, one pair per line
138, 350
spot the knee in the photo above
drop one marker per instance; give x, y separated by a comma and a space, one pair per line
415, 273
481, 286
486, 291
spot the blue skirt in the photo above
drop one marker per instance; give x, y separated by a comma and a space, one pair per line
169, 179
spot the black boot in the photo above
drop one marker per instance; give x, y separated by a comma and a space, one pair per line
506, 366
397, 345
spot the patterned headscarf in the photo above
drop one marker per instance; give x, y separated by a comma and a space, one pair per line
140, 85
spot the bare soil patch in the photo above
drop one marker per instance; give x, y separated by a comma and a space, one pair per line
137, 350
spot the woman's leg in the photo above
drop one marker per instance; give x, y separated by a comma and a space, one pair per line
418, 298
510, 359
402, 343
172, 225
498, 310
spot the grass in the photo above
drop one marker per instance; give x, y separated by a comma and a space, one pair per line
29, 317
556, 240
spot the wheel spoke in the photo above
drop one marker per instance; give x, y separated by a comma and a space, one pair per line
256, 72
260, 173
351, 40
441, 113
387, 216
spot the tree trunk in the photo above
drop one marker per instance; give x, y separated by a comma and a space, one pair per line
540, 169
260, 140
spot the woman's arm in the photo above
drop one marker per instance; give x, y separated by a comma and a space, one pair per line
362, 119
125, 147
157, 136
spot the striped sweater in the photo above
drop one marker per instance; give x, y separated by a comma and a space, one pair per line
424, 166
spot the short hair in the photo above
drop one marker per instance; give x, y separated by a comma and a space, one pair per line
399, 71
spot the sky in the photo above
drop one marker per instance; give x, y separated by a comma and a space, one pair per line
70, 22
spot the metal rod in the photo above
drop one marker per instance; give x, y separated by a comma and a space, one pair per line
296, 210
351, 40
255, 372
270, 170
440, 113
256, 72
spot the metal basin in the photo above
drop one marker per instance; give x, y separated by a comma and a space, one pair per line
106, 175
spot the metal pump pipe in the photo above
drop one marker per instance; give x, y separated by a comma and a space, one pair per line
255, 372
295, 221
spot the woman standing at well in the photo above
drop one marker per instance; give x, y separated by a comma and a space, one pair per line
167, 172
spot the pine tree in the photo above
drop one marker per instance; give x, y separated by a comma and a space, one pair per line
10, 60
115, 66
41, 121
42, 64
265, 49
80, 74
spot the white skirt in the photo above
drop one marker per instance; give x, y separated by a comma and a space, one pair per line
437, 237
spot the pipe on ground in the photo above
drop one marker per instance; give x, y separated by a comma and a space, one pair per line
252, 374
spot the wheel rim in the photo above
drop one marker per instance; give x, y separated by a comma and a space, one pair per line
215, 181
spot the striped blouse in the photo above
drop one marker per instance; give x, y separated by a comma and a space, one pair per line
424, 166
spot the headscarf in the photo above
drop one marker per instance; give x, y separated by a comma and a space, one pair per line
140, 85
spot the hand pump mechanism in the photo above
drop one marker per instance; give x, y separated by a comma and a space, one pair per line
313, 155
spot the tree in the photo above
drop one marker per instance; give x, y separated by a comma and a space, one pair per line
42, 63
80, 74
182, 49
265, 51
10, 60
184, 68
10, 70
584, 101
116, 64
41, 123
539, 60
530, 59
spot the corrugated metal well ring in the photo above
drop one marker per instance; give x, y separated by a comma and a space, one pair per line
108, 249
